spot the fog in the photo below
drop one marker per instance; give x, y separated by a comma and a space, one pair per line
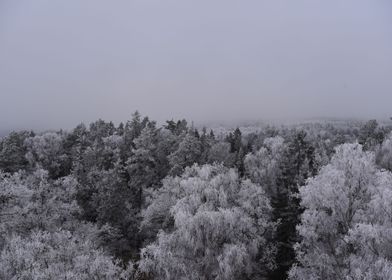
64, 62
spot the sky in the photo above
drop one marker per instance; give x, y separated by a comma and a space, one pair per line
66, 62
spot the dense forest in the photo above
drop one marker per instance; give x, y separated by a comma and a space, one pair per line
142, 201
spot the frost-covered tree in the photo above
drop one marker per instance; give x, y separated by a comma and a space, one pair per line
177, 128
296, 164
371, 135
75, 143
100, 157
46, 151
384, 154
166, 144
131, 131
220, 153
214, 226
370, 239
142, 166
237, 149
346, 226
207, 140
187, 154
57, 255
34, 202
114, 205
13, 151
144, 172
100, 129
263, 167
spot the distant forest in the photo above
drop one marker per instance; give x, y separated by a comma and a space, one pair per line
142, 201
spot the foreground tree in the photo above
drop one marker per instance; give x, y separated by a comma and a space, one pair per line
295, 166
346, 226
34, 202
58, 255
215, 226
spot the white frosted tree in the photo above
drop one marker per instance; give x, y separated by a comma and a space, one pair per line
384, 154
346, 226
13, 151
263, 167
220, 227
371, 238
57, 255
34, 202
40, 235
142, 166
47, 151
188, 153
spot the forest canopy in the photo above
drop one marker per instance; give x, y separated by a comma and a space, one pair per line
142, 201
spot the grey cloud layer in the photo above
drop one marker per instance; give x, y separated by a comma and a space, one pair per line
62, 62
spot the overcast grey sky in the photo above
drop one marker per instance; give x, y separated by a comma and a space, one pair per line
63, 62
